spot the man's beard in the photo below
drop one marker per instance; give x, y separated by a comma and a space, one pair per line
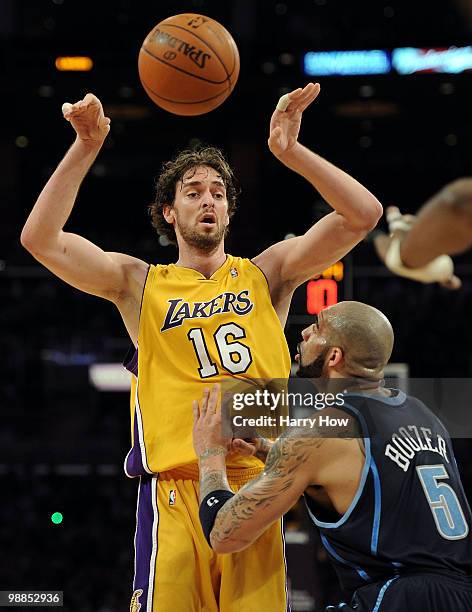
202, 241
313, 369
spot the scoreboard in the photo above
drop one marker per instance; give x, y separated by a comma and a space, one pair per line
324, 289
330, 287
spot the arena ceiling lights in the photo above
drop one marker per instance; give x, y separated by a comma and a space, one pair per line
402, 60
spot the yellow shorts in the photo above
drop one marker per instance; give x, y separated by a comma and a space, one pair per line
176, 570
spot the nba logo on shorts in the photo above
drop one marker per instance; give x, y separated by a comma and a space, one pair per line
135, 606
172, 497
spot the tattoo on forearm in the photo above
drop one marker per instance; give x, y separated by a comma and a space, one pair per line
212, 479
212, 452
264, 449
285, 457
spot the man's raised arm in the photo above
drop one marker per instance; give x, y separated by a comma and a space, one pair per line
289, 263
73, 258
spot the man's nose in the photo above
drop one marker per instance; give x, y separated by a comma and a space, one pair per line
306, 333
208, 199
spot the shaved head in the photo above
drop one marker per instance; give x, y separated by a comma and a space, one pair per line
363, 333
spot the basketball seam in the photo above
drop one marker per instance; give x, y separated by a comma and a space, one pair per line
178, 101
228, 74
182, 70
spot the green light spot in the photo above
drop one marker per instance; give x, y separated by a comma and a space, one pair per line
56, 518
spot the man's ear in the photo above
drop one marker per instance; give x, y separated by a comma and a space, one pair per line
168, 213
335, 356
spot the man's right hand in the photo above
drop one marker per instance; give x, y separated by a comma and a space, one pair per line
88, 119
257, 447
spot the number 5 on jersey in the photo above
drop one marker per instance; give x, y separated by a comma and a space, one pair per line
235, 357
447, 512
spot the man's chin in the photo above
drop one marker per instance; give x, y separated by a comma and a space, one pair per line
314, 369
203, 239
308, 372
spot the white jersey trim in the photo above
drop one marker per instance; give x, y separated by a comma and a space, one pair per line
152, 562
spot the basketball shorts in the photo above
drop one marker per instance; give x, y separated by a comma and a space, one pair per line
175, 568
413, 593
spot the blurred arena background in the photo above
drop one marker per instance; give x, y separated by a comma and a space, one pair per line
62, 439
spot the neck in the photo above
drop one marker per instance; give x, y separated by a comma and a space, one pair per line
366, 386
352, 384
204, 262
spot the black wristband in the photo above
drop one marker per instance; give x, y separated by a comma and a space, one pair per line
210, 507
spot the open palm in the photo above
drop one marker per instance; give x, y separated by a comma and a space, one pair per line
285, 124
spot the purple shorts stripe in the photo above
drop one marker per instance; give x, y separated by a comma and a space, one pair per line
145, 542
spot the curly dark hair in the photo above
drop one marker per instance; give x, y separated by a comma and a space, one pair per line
174, 170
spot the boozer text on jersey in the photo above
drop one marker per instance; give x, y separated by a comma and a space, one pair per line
411, 439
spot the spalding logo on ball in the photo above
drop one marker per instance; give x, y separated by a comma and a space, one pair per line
188, 64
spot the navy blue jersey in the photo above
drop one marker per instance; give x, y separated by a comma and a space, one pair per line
410, 513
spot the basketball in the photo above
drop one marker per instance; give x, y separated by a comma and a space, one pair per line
188, 64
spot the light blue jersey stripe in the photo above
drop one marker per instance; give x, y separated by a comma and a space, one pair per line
382, 593
335, 555
365, 472
378, 507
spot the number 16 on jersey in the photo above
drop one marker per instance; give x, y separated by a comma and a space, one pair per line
235, 356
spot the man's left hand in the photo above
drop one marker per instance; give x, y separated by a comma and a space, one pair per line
285, 124
208, 436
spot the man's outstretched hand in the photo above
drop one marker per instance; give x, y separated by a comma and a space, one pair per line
285, 124
88, 119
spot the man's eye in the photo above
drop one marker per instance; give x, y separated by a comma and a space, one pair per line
219, 196
192, 194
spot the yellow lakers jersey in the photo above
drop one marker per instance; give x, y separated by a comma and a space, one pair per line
193, 332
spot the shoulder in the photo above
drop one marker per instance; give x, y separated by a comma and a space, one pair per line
134, 272
129, 264
242, 262
270, 263
321, 435
249, 266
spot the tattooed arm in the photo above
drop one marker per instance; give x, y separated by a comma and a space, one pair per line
246, 515
263, 449
213, 477
288, 471
211, 446
295, 461
212, 463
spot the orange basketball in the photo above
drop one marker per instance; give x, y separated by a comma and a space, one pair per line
188, 64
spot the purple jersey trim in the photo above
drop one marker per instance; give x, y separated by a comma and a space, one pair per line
131, 360
134, 461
